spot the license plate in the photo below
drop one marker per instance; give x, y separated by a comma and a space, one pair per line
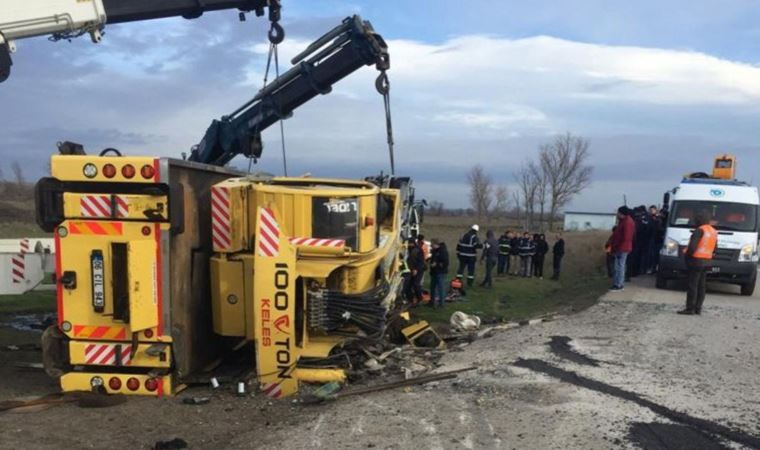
98, 291
714, 269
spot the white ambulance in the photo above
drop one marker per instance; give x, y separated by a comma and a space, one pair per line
732, 208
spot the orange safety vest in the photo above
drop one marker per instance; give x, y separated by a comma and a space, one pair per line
707, 244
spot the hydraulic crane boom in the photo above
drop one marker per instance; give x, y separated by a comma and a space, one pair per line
65, 19
327, 60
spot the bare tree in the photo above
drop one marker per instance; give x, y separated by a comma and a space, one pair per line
528, 187
501, 201
565, 165
539, 178
18, 174
436, 208
481, 190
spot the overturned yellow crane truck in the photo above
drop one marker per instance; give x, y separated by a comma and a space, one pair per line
165, 266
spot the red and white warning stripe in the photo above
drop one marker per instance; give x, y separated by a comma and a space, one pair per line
105, 354
221, 226
316, 242
18, 262
269, 233
101, 206
272, 390
17, 268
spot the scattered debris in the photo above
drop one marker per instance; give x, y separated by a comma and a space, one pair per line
315, 398
174, 444
421, 334
214, 383
196, 400
464, 322
31, 322
28, 365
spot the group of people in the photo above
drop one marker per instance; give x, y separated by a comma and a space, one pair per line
511, 254
632, 259
640, 234
648, 236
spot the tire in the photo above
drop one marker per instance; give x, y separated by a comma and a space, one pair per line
748, 288
661, 282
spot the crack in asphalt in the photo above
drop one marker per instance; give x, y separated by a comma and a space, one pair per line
738, 436
560, 346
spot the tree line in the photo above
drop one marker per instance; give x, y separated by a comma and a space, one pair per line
541, 186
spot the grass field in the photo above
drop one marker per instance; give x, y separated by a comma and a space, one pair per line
31, 302
514, 298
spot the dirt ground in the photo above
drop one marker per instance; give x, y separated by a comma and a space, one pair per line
625, 373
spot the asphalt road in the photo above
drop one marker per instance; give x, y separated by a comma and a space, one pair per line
626, 373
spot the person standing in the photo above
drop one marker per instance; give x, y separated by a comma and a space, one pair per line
439, 268
698, 255
542, 248
505, 249
526, 251
622, 244
490, 255
467, 252
558, 252
416, 263
514, 254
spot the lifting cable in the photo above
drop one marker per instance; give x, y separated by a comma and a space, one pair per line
276, 35
383, 86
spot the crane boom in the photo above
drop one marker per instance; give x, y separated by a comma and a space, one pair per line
345, 49
64, 19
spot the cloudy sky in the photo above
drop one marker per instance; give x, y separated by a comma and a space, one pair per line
657, 87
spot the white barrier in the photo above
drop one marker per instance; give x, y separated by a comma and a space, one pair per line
21, 272
33, 245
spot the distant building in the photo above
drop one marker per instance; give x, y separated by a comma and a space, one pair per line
585, 221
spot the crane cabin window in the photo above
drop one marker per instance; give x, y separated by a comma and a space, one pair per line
336, 218
724, 216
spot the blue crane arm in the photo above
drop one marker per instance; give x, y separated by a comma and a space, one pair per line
342, 51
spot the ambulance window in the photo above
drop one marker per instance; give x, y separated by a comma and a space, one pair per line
335, 218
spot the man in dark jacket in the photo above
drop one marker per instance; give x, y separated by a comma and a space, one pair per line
467, 252
514, 254
542, 248
439, 268
505, 248
558, 252
526, 251
622, 244
490, 256
699, 254
415, 260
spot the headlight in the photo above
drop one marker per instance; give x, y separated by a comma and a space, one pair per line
748, 253
670, 248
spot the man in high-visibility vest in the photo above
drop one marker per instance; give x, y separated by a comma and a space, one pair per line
698, 255
467, 252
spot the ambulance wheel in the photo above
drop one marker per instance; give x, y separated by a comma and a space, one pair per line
661, 282
749, 288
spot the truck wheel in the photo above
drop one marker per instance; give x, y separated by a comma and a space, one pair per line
749, 288
661, 282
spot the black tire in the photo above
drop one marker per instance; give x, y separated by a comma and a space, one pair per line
661, 282
748, 288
